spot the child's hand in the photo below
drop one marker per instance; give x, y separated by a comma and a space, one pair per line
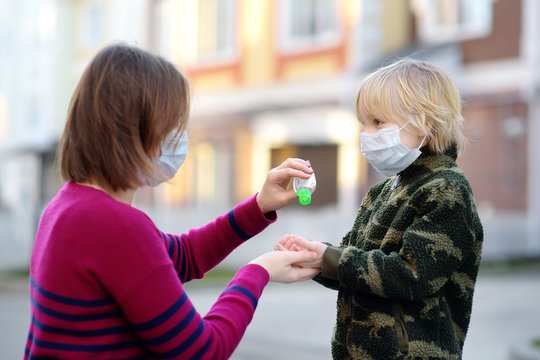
287, 243
282, 268
274, 194
291, 242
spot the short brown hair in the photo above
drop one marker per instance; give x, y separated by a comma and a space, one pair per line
127, 101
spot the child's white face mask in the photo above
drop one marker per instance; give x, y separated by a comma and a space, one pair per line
172, 156
385, 151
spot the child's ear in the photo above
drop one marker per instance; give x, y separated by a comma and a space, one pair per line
427, 129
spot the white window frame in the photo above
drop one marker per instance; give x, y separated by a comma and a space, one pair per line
90, 25
178, 33
439, 21
164, 28
225, 27
327, 37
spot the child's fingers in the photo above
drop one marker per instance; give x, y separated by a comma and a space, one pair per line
304, 243
280, 247
289, 242
286, 241
288, 247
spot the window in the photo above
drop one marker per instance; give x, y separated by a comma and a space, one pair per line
161, 27
47, 19
452, 20
195, 31
3, 116
216, 29
205, 185
308, 23
90, 27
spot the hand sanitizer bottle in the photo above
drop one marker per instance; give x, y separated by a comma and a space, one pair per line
304, 188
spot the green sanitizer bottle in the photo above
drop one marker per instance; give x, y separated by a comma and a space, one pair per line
304, 188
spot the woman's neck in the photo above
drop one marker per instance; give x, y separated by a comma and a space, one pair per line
125, 196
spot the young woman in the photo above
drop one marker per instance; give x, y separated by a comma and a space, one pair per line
406, 271
105, 282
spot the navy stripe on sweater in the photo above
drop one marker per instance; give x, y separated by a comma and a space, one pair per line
81, 333
185, 345
174, 331
181, 259
155, 322
184, 277
166, 315
31, 357
199, 354
69, 317
70, 301
177, 261
171, 246
236, 227
244, 291
158, 320
83, 348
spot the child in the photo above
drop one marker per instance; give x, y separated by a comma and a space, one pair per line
406, 271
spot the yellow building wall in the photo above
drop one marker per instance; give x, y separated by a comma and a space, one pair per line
397, 25
312, 66
257, 41
259, 60
213, 80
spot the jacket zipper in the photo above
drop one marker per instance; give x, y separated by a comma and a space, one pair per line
401, 328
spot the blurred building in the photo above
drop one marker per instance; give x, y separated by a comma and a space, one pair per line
273, 79
33, 63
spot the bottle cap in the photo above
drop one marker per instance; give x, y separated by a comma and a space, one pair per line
304, 196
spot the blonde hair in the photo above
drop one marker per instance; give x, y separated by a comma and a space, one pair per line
416, 92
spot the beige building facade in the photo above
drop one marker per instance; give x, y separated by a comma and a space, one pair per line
273, 79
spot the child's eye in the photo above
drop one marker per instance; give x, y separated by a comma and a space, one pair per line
377, 122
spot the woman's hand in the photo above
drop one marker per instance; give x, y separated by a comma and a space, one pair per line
274, 194
291, 242
281, 265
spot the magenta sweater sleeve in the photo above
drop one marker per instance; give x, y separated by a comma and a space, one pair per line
103, 285
198, 251
176, 330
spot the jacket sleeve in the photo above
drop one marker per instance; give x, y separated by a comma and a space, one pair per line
196, 252
435, 245
328, 276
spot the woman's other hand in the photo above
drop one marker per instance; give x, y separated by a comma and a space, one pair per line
282, 268
274, 194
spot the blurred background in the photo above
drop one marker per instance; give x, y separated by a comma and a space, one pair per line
273, 79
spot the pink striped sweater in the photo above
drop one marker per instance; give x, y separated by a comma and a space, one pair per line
107, 284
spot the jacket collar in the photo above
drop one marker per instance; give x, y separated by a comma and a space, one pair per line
429, 162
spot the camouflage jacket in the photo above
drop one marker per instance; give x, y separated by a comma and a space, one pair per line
406, 272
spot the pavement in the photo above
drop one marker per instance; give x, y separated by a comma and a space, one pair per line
295, 321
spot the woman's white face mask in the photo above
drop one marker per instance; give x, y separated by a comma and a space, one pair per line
385, 151
173, 155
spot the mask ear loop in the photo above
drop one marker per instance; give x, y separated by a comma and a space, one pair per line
404, 125
422, 142
423, 139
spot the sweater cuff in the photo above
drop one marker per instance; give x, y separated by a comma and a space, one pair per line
330, 260
253, 278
